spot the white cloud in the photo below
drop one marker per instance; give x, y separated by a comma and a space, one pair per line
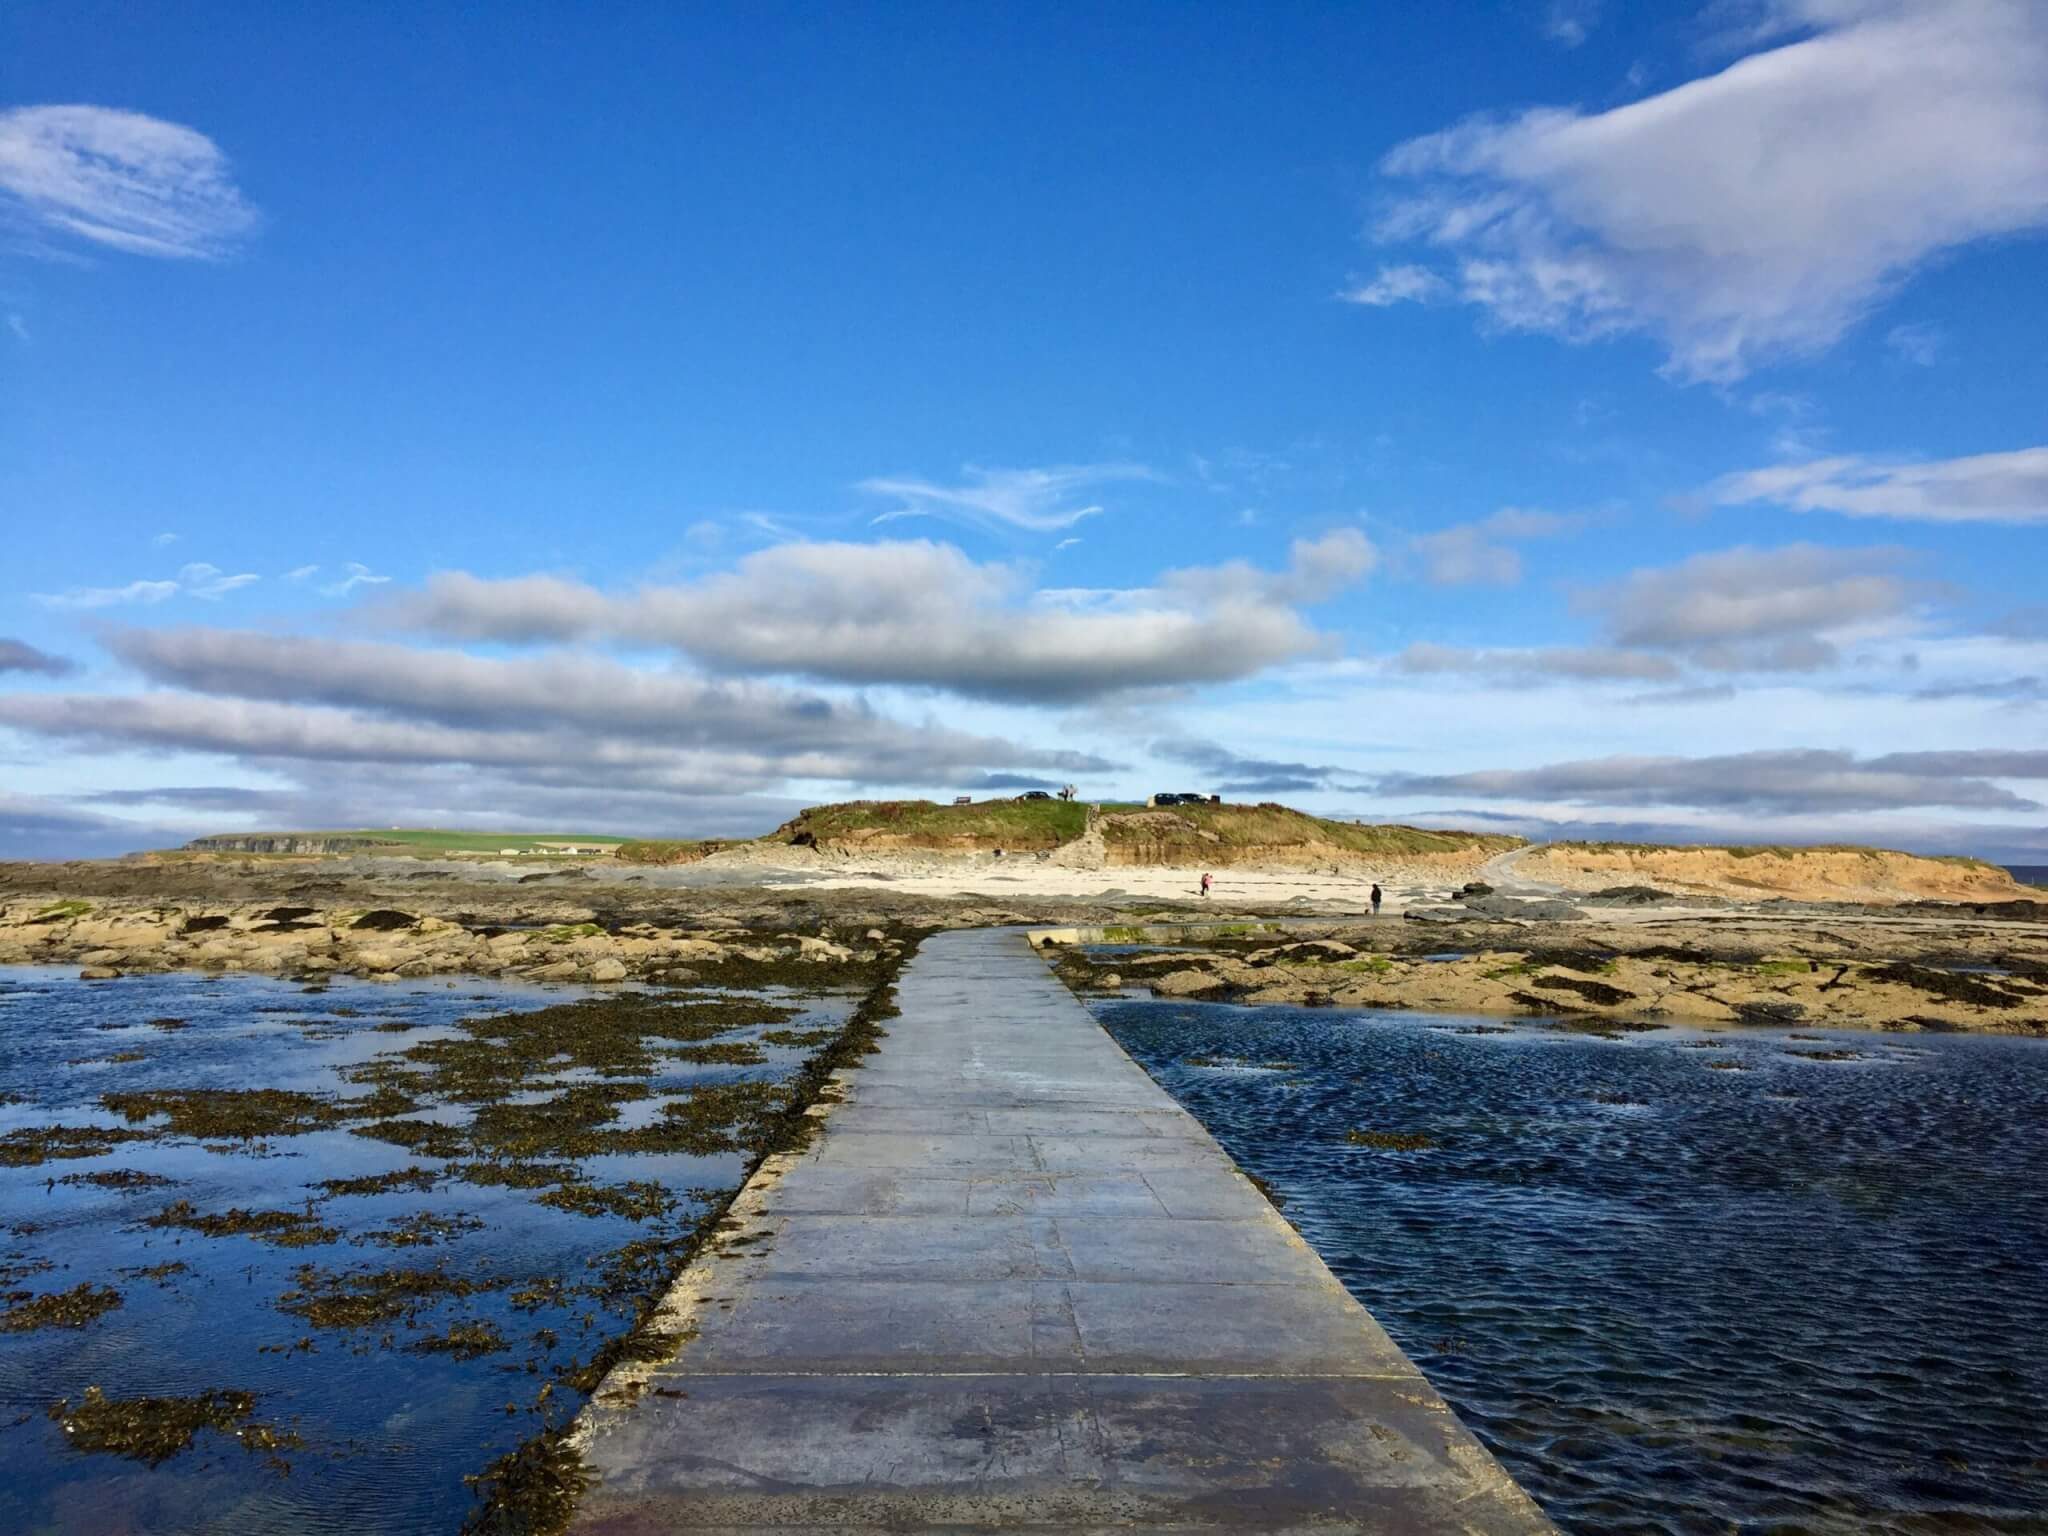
922, 614
358, 575
1407, 284
1746, 609
1036, 500
198, 579
120, 179
301, 572
1756, 213
1471, 554
1985, 488
1787, 782
210, 582
164, 540
108, 597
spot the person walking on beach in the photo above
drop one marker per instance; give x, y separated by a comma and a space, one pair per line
1375, 901
1206, 878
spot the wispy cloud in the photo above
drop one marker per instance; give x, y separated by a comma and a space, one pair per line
1919, 343
354, 575
198, 579
1035, 500
1753, 214
1481, 553
301, 572
1569, 23
1985, 488
1407, 284
122, 180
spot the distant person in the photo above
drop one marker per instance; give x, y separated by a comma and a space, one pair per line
1376, 899
1207, 879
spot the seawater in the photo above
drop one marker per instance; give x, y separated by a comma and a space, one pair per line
388, 1435
1677, 1281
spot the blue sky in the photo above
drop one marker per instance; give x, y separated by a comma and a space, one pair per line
1569, 417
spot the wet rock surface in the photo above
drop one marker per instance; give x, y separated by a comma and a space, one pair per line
1726, 968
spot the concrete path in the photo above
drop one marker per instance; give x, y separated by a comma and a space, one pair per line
1015, 1285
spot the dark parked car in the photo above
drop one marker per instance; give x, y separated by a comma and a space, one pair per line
1034, 794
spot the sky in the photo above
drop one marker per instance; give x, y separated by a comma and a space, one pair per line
1562, 417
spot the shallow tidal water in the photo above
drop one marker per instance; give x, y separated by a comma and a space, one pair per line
378, 1424
1678, 1281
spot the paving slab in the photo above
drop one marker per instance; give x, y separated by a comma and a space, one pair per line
1014, 1285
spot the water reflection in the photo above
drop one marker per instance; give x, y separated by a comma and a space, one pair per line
389, 1423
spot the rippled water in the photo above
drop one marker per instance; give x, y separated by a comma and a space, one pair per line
388, 1434
1806, 1295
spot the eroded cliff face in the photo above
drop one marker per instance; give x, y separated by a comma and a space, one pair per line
1805, 874
264, 842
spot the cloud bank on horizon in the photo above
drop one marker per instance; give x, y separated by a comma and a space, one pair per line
1669, 471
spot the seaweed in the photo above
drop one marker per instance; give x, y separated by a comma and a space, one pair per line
635, 1200
464, 1341
31, 1146
529, 1491
119, 1178
1596, 992
417, 1179
154, 1429
1946, 984
422, 1229
383, 920
1391, 1141
233, 1114
283, 1229
75, 1308
366, 1298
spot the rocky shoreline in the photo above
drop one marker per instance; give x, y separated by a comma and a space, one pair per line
1735, 969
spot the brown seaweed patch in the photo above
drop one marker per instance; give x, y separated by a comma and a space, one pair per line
159, 1274
1595, 992
229, 1114
34, 1145
530, 1491
1391, 1141
422, 1138
283, 1229
800, 1038
724, 1053
414, 1179
169, 1025
1949, 985
154, 1429
366, 1298
422, 1229
119, 1178
75, 1308
465, 1341
635, 1200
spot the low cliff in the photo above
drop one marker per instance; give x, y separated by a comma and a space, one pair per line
1820, 873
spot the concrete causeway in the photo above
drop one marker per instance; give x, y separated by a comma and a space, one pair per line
1015, 1285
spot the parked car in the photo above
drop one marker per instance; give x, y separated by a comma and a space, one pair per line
1035, 794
